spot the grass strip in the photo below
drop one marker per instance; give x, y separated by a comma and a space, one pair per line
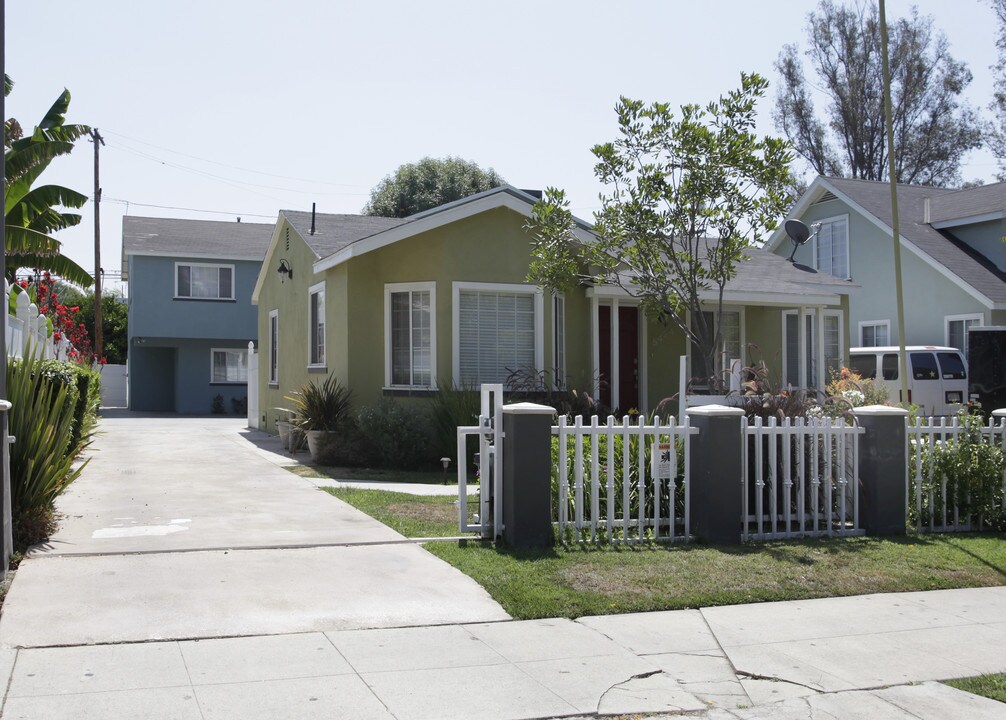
427, 477
411, 515
990, 686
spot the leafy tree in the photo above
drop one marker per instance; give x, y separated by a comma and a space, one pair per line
114, 324
686, 196
428, 183
997, 129
933, 127
33, 214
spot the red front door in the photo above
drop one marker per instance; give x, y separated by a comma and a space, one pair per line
628, 359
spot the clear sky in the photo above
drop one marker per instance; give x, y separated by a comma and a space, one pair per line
246, 107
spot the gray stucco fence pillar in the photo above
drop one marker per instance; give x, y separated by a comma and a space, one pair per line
883, 464
527, 475
716, 473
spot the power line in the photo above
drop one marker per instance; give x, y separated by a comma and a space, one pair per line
185, 209
233, 167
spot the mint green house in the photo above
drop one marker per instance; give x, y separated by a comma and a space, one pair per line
952, 255
395, 307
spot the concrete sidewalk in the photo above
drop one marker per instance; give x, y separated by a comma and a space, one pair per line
858, 657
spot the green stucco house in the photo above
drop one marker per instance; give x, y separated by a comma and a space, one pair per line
396, 306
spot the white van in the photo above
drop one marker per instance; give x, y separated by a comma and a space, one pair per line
937, 376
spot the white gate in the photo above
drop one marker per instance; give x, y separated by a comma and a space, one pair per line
487, 520
252, 386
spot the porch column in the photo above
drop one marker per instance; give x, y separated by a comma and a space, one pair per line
615, 377
595, 340
821, 371
801, 329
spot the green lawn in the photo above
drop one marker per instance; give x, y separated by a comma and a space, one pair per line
990, 686
575, 580
411, 515
429, 477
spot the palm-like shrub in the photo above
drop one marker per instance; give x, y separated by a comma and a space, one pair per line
42, 457
324, 406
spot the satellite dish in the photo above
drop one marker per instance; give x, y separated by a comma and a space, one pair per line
799, 233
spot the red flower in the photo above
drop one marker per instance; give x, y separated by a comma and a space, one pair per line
57, 337
75, 308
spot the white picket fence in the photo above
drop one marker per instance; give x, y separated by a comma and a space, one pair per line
27, 332
608, 493
926, 490
801, 478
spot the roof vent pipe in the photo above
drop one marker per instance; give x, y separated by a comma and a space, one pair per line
312, 218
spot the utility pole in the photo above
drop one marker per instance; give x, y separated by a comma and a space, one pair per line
895, 225
98, 339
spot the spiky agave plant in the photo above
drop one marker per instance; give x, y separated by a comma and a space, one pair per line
324, 406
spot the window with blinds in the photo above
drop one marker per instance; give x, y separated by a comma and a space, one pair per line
496, 335
229, 366
411, 338
316, 325
204, 282
833, 247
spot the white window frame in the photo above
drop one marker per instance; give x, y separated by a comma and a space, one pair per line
235, 351
848, 258
811, 312
886, 324
559, 341
218, 266
739, 309
515, 288
947, 319
274, 348
389, 289
316, 289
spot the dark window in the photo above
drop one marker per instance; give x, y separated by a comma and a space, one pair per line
864, 365
889, 366
924, 366
952, 366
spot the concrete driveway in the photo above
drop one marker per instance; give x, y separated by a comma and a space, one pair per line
182, 527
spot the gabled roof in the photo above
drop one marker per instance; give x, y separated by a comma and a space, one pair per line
985, 202
766, 274
502, 196
210, 239
938, 248
334, 232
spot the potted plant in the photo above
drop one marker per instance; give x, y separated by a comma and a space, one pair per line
322, 411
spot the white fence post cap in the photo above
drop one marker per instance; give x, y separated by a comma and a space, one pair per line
1000, 413
879, 410
526, 408
715, 411
5, 406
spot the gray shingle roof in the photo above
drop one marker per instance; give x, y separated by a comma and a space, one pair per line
334, 232
204, 238
766, 272
971, 202
875, 198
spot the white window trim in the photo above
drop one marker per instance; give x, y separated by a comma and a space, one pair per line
559, 371
813, 313
273, 369
848, 242
947, 319
874, 323
236, 351
311, 292
539, 320
743, 338
212, 265
390, 288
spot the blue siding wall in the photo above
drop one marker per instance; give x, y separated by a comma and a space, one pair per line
170, 341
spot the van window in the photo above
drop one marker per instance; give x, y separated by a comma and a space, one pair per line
952, 366
924, 366
864, 365
890, 366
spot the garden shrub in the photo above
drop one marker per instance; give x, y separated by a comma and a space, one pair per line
43, 395
396, 435
85, 415
217, 405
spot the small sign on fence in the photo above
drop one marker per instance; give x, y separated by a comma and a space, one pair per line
660, 460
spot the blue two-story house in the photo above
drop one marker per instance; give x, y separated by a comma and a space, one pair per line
190, 311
